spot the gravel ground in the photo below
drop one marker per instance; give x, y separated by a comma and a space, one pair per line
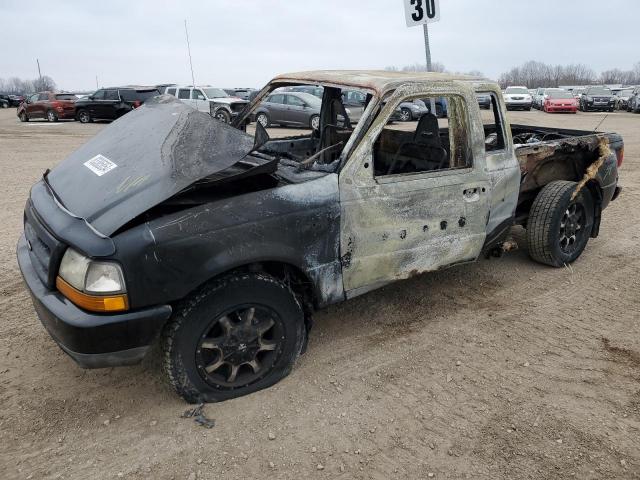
504, 369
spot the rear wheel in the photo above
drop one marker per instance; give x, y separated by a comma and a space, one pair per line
237, 335
314, 122
405, 115
560, 223
84, 117
52, 116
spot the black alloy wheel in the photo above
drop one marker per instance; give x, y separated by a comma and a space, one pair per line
239, 347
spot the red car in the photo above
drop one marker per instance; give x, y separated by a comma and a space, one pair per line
49, 105
559, 101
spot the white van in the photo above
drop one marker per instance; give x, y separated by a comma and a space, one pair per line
214, 101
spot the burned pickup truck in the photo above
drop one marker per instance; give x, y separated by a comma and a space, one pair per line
219, 242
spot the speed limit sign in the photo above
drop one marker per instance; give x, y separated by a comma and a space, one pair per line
419, 12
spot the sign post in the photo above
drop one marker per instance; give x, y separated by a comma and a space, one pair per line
423, 12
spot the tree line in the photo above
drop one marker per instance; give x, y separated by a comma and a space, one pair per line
538, 74
21, 86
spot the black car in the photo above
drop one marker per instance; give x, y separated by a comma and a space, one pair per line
5, 101
597, 98
112, 103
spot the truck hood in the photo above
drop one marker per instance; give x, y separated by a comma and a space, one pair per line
142, 159
228, 100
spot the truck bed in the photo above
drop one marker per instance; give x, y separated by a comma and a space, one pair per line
548, 154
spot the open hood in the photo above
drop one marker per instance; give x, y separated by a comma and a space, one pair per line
142, 159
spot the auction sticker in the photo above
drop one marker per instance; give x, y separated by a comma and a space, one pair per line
100, 165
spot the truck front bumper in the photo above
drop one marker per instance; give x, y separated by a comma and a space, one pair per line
93, 340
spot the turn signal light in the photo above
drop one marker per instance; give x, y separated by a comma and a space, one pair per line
93, 303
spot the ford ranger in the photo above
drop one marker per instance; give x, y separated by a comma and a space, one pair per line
219, 242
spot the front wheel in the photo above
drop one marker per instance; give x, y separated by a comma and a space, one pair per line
560, 223
52, 116
23, 117
405, 115
222, 115
237, 335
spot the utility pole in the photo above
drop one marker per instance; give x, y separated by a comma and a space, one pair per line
427, 51
193, 80
39, 74
97, 87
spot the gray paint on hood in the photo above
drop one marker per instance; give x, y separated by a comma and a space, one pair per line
160, 149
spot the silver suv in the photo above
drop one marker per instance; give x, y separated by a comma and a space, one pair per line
215, 101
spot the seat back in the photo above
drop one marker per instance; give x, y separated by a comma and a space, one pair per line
427, 131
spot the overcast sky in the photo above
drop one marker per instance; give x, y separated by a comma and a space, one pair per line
245, 43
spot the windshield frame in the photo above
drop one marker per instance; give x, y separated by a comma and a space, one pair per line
208, 91
598, 91
516, 91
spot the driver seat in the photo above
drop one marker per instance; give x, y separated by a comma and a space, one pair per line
423, 152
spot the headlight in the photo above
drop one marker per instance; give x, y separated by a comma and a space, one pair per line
92, 285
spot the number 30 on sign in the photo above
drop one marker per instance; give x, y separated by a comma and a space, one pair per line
418, 12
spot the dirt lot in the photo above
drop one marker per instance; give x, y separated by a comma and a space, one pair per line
504, 369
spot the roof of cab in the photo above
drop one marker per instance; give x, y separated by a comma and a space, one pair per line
378, 80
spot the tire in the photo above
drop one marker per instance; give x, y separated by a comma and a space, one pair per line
405, 115
5, 105
263, 119
23, 117
528, 109
559, 228
314, 122
83, 116
52, 116
222, 115
209, 330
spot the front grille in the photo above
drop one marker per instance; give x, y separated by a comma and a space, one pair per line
45, 250
237, 107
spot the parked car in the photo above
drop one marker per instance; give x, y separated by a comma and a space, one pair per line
559, 101
517, 98
171, 227
413, 110
15, 100
112, 103
597, 98
633, 104
5, 102
314, 90
243, 93
622, 98
289, 108
214, 101
484, 100
538, 98
49, 105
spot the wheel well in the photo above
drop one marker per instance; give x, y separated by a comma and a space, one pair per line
525, 203
299, 283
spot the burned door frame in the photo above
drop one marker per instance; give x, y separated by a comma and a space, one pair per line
396, 226
503, 169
